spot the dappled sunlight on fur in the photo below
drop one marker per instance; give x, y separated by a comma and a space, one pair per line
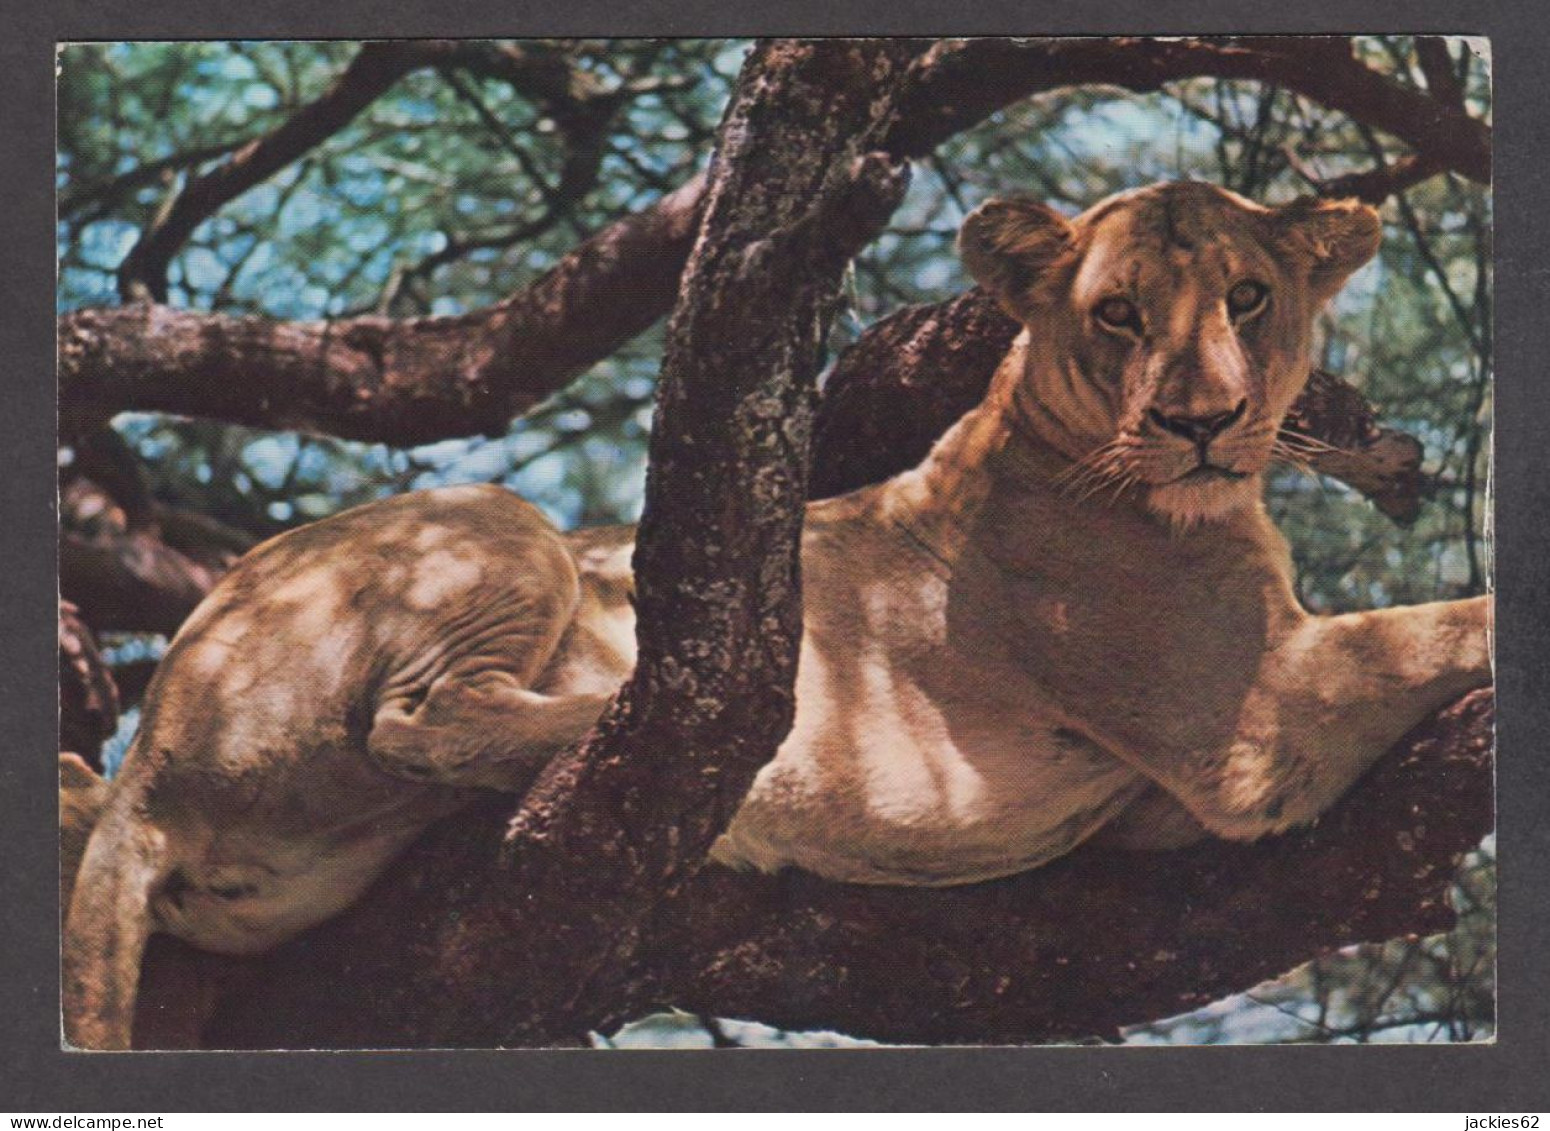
1074, 614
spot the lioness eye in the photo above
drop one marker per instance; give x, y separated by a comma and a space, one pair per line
1246, 297
1119, 314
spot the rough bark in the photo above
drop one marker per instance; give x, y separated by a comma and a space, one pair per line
905, 381
1077, 949
896, 389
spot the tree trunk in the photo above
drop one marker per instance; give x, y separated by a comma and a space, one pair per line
616, 826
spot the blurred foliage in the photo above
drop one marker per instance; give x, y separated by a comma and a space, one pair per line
439, 199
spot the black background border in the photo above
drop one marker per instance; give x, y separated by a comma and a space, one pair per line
1507, 1075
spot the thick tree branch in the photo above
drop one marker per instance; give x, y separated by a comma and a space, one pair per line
401, 382
614, 826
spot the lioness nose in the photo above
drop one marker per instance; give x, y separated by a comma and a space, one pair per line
1199, 429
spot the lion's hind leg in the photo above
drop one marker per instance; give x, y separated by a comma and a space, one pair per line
484, 731
472, 716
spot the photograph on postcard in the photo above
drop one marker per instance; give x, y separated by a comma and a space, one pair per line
690, 543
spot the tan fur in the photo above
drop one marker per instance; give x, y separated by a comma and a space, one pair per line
1049, 628
82, 794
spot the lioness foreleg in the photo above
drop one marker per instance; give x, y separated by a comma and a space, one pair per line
485, 731
1331, 699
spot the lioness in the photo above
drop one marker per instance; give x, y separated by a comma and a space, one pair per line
1073, 616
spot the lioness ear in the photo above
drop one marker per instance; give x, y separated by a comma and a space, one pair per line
1338, 236
1009, 246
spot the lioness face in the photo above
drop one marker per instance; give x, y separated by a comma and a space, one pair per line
1170, 330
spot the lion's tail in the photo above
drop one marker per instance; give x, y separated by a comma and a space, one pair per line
108, 926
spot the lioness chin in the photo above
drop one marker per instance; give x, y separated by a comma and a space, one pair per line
1074, 616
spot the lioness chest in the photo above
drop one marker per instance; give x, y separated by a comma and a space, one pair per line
963, 709
919, 754
889, 777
